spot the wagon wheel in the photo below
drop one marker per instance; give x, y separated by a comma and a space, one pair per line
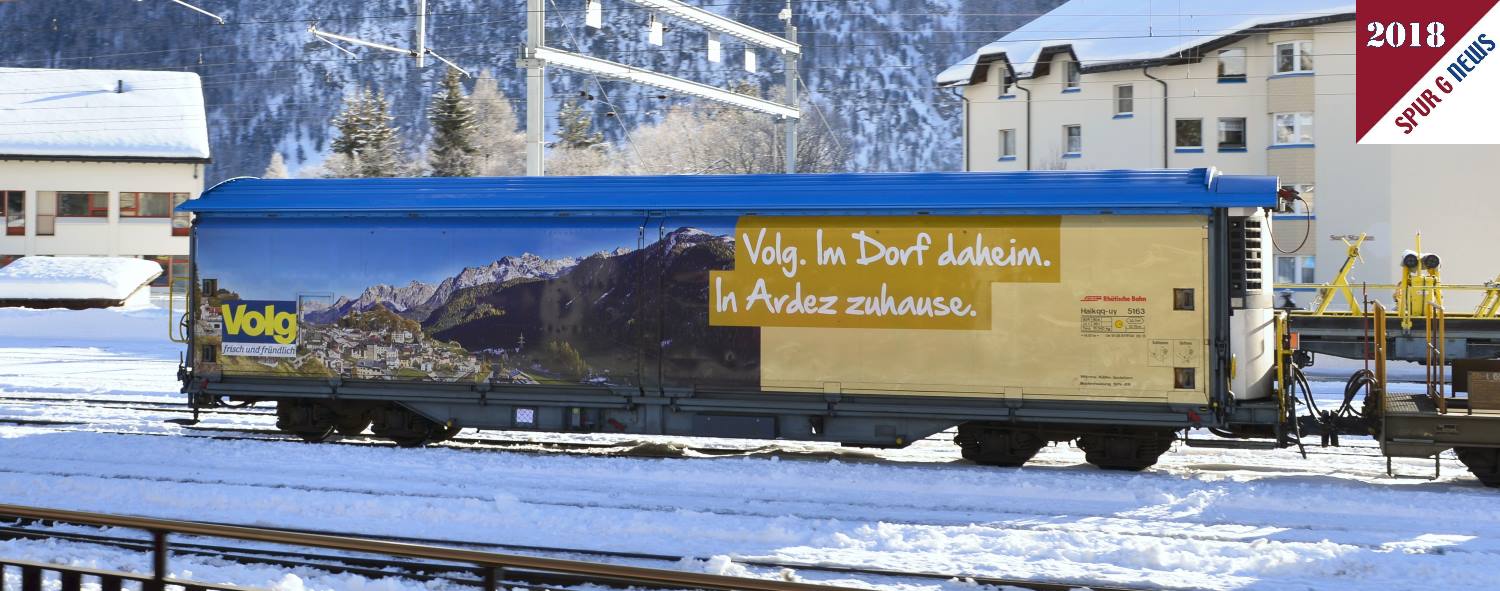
352, 424
407, 428
992, 446
315, 436
1130, 450
1484, 462
309, 421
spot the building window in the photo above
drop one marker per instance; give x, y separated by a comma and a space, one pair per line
1305, 193
1295, 269
1073, 139
1232, 64
182, 223
6, 259
1231, 133
77, 204
1072, 75
146, 205
171, 266
1292, 128
1124, 99
1294, 57
1004, 79
1007, 143
46, 213
1190, 133
13, 210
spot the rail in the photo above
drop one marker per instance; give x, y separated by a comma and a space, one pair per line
175, 324
492, 567
1435, 327
1284, 350
1378, 353
1489, 304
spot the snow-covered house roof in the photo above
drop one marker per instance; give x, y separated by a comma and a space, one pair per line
102, 115
1103, 33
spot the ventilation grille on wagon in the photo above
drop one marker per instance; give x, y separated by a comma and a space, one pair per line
1245, 262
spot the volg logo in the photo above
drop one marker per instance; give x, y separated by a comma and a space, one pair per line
260, 322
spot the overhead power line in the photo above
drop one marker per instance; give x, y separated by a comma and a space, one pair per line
538, 55
198, 10
420, 52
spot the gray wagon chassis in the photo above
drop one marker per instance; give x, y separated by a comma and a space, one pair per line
879, 421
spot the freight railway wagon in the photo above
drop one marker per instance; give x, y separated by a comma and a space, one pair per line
1110, 308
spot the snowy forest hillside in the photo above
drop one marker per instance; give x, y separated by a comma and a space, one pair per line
271, 87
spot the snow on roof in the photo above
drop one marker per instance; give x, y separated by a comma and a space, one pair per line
102, 113
1109, 31
75, 278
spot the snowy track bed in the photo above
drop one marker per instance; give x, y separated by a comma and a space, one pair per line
1218, 519
438, 574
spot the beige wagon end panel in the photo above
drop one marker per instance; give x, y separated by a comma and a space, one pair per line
1106, 330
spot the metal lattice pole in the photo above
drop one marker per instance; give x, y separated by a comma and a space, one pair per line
791, 94
536, 88
421, 33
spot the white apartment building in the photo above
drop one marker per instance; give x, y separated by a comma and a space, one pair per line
1263, 88
92, 162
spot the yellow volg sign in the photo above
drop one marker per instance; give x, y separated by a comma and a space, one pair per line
260, 322
879, 272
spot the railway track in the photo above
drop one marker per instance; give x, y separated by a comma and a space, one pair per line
637, 448
976, 516
137, 405
273, 434
428, 571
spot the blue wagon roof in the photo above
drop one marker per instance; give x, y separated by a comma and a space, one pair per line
1118, 191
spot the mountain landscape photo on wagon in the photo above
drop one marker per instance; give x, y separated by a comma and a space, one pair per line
481, 305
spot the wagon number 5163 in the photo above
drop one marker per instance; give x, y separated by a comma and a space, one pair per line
1395, 34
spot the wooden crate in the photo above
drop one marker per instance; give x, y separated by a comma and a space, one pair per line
1484, 390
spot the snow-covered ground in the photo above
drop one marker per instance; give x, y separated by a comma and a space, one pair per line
84, 425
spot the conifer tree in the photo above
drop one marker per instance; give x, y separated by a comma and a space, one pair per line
367, 144
381, 156
574, 129
348, 123
453, 151
276, 169
500, 146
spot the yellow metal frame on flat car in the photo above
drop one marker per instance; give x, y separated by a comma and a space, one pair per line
1419, 287
174, 323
